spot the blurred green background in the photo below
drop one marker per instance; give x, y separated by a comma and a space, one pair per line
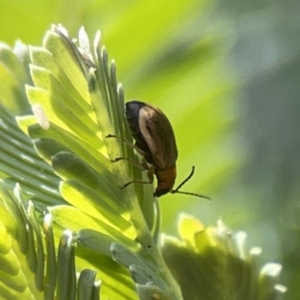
226, 73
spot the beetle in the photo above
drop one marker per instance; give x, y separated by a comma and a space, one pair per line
155, 141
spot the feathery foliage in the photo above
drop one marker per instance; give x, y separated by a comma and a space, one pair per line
63, 165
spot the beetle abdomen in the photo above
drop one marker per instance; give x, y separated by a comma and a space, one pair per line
153, 134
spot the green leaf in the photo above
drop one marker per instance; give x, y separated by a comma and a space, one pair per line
209, 264
13, 77
77, 102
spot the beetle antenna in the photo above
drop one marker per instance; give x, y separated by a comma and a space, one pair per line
176, 191
184, 181
191, 194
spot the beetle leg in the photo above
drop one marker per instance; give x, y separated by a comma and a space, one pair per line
125, 141
145, 166
141, 167
150, 172
135, 181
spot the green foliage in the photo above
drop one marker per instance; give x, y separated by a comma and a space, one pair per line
218, 266
77, 102
191, 60
172, 56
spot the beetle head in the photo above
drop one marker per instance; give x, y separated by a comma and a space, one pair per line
165, 181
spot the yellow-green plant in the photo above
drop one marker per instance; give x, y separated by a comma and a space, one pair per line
66, 227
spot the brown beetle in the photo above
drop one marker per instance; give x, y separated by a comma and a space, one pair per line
155, 141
